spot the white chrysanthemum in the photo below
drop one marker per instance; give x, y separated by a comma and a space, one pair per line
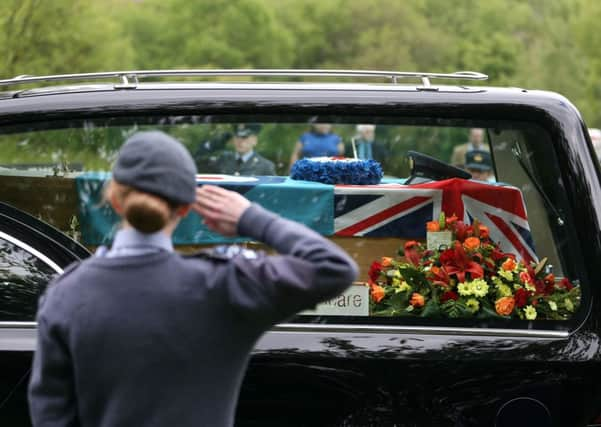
530, 312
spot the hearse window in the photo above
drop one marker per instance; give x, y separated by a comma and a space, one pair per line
23, 278
434, 247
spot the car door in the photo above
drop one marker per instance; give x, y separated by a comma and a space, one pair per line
31, 254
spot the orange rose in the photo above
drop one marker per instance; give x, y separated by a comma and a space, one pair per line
417, 300
505, 305
526, 278
433, 226
386, 261
509, 264
471, 243
377, 293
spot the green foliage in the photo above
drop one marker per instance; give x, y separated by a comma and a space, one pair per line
60, 36
536, 44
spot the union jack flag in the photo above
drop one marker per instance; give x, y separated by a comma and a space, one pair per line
395, 210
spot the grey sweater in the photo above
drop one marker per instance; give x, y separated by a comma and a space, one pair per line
164, 340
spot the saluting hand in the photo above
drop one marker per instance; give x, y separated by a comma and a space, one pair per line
221, 209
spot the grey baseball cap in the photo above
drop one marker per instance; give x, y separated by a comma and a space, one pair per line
156, 163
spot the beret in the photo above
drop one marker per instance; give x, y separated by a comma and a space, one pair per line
156, 163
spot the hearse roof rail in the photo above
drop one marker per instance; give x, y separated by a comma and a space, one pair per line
130, 79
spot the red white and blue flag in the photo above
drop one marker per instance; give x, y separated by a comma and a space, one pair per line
395, 210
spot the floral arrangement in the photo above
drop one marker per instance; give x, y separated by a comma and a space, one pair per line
331, 170
471, 278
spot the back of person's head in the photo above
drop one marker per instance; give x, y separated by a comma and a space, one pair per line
154, 174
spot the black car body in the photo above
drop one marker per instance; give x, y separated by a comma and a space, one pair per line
348, 371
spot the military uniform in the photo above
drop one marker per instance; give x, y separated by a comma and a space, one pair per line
231, 164
143, 336
460, 151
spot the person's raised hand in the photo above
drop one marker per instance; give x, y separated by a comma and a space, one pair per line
221, 209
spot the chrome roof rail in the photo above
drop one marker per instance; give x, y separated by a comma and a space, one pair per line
130, 79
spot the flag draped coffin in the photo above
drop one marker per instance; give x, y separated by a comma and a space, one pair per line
396, 210
384, 210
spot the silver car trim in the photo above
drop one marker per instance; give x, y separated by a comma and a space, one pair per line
22, 336
130, 79
421, 330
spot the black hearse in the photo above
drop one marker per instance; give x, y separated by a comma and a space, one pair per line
359, 360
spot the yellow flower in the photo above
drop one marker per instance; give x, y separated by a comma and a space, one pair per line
395, 273
472, 305
479, 287
404, 286
530, 312
530, 287
503, 290
505, 274
553, 305
396, 282
569, 304
464, 288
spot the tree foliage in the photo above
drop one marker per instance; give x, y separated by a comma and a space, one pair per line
537, 44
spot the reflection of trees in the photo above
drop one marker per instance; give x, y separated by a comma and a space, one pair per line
23, 278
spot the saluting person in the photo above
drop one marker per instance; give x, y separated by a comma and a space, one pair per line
139, 335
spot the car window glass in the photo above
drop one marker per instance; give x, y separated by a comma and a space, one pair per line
57, 172
23, 278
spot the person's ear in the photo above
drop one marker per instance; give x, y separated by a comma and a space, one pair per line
182, 211
116, 203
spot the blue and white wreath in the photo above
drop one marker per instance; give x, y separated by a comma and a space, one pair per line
328, 170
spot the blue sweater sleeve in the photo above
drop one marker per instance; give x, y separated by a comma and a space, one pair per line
52, 401
308, 268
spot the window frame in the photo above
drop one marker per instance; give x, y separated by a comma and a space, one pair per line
561, 330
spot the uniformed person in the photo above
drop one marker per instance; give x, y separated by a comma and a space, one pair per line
479, 164
139, 335
245, 160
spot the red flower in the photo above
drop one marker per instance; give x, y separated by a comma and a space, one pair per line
374, 271
411, 252
565, 283
411, 244
439, 276
498, 255
484, 233
459, 263
448, 295
451, 220
447, 256
521, 297
462, 231
549, 279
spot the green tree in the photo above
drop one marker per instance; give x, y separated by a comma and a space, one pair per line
218, 33
60, 36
